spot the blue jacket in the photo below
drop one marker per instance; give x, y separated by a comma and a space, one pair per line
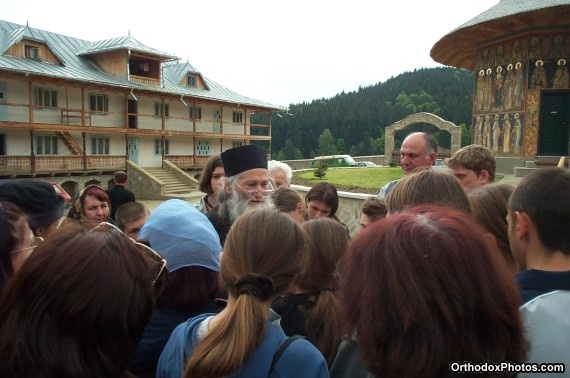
300, 359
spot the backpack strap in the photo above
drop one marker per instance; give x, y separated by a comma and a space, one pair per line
282, 348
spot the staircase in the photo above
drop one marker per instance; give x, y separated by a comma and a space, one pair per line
174, 187
69, 142
541, 161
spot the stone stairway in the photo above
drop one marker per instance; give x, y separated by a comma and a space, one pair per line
174, 187
541, 161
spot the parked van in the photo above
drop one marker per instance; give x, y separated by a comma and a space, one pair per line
333, 161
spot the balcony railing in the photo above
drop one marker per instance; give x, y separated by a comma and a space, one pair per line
144, 80
51, 164
188, 161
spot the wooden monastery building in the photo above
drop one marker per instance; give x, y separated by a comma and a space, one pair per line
75, 107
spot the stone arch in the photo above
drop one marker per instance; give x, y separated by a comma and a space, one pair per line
422, 117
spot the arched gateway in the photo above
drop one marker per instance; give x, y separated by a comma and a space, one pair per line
421, 117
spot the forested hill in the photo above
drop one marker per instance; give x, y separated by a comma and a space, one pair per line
356, 120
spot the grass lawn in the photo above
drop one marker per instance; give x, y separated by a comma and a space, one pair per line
361, 180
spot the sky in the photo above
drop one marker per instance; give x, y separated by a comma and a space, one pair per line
280, 52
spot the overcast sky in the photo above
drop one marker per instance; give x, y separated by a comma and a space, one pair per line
281, 52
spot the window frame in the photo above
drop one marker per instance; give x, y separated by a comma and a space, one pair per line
45, 98
99, 100
100, 145
31, 52
158, 110
158, 147
195, 110
51, 148
191, 81
237, 117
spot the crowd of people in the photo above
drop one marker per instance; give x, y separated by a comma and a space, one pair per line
447, 269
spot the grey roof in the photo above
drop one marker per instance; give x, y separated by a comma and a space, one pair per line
73, 52
458, 47
507, 8
121, 43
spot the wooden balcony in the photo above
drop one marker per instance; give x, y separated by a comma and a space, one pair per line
144, 80
33, 165
188, 161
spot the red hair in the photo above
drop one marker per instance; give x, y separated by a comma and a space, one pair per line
435, 292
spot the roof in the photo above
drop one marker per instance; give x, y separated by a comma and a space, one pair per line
75, 65
459, 47
121, 43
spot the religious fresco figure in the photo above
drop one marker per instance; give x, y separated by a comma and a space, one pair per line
498, 90
496, 134
500, 56
558, 48
477, 134
516, 52
517, 133
506, 134
538, 79
519, 85
560, 79
488, 90
509, 88
487, 131
534, 50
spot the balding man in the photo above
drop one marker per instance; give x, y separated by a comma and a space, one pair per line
419, 150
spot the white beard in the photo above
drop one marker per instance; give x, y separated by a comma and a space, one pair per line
238, 205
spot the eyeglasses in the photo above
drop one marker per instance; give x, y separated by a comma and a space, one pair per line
154, 256
251, 190
36, 241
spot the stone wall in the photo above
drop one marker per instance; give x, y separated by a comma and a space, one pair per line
144, 185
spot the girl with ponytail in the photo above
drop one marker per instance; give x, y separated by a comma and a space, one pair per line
262, 254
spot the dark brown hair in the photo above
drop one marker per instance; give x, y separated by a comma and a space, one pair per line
489, 207
286, 199
327, 241
190, 288
12, 221
326, 193
78, 306
545, 196
435, 292
206, 175
374, 208
120, 177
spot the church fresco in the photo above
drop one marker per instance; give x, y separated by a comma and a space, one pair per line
508, 84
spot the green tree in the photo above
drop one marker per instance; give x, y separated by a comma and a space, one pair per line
465, 135
291, 152
321, 171
327, 144
340, 146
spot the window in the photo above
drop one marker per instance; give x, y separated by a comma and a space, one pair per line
99, 146
99, 104
45, 98
236, 144
237, 117
191, 80
46, 145
158, 147
195, 112
32, 52
158, 110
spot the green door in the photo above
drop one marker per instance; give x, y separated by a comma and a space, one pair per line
554, 123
